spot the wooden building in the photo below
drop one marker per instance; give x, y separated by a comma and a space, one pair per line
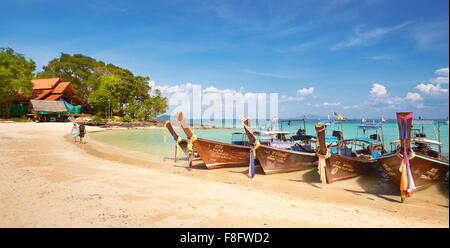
48, 89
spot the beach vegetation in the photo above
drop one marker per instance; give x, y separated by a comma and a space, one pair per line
109, 89
126, 118
16, 73
20, 119
148, 109
97, 118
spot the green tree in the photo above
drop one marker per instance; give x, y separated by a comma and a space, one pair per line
106, 86
82, 71
152, 107
16, 73
102, 101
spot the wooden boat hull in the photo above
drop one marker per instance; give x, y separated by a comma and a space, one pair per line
425, 170
219, 155
343, 167
184, 147
183, 144
276, 160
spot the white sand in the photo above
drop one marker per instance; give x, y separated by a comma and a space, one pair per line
47, 181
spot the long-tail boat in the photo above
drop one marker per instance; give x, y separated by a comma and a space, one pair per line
342, 161
274, 159
413, 167
216, 154
180, 143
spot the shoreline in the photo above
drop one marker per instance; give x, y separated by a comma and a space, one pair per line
107, 183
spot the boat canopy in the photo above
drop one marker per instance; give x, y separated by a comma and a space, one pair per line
331, 139
420, 140
364, 139
271, 132
368, 126
327, 122
422, 122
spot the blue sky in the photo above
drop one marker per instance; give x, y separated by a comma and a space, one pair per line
360, 58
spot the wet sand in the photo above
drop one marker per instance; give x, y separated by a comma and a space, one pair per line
49, 181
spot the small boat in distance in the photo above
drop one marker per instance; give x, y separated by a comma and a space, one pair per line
349, 158
274, 158
216, 154
179, 142
414, 167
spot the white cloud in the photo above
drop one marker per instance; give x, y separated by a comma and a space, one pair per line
413, 97
431, 89
351, 107
168, 89
394, 100
286, 98
327, 104
439, 80
211, 89
362, 37
305, 91
378, 90
420, 106
442, 71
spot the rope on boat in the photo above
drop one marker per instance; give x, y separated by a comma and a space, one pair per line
251, 166
407, 184
190, 150
322, 164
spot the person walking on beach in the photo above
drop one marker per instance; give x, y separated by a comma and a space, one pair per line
74, 132
81, 131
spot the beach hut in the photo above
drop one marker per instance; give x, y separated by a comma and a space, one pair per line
49, 89
43, 109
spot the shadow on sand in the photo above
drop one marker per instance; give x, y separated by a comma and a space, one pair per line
258, 171
311, 178
443, 188
200, 166
377, 183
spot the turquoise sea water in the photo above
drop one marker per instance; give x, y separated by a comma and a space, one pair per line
151, 140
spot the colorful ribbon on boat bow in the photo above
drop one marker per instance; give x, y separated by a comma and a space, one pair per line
321, 166
190, 150
251, 166
407, 184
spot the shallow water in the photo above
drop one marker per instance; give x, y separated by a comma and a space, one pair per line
151, 140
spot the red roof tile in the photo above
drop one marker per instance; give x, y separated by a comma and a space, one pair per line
39, 94
61, 87
53, 97
44, 83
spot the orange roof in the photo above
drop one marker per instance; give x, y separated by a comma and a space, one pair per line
44, 83
40, 94
53, 97
61, 87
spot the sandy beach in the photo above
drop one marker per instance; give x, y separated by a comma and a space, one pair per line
49, 181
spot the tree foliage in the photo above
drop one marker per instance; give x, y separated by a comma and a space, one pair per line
16, 73
82, 71
105, 86
149, 108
